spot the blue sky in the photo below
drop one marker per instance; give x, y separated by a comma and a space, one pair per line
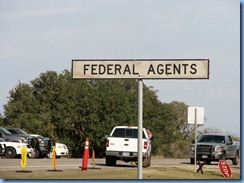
38, 36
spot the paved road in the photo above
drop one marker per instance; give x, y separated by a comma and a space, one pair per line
74, 163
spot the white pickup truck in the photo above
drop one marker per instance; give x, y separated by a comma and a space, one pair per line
122, 142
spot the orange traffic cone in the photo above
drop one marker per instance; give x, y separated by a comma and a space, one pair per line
86, 155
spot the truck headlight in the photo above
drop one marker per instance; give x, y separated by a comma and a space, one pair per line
219, 149
24, 141
41, 141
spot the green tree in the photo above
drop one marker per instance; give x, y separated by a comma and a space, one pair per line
70, 110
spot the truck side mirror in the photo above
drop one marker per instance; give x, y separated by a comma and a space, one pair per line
229, 143
153, 138
106, 136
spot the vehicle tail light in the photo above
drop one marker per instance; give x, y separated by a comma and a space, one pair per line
145, 145
107, 143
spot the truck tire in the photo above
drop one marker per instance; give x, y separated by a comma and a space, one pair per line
49, 155
192, 160
149, 161
35, 153
42, 155
208, 162
10, 152
223, 156
110, 161
145, 162
114, 161
235, 160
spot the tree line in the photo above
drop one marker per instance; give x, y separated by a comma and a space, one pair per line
67, 110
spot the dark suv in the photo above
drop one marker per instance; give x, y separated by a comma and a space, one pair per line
43, 145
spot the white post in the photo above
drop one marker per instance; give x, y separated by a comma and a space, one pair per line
140, 112
195, 160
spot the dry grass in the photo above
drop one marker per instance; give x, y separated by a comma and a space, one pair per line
169, 172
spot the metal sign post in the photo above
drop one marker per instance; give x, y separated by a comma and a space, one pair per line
140, 121
195, 159
195, 116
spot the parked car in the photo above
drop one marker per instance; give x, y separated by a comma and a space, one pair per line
61, 150
13, 149
42, 145
214, 147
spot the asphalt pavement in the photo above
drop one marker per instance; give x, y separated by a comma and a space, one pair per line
74, 163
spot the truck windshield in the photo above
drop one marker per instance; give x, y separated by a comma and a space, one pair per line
4, 131
22, 132
17, 131
126, 132
212, 139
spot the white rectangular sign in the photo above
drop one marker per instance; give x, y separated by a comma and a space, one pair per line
141, 69
197, 115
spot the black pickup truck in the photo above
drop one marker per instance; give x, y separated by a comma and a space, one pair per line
214, 147
8, 136
42, 145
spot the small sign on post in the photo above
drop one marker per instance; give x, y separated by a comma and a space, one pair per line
196, 117
225, 169
192, 117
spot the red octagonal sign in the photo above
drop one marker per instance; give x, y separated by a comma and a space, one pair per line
224, 168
